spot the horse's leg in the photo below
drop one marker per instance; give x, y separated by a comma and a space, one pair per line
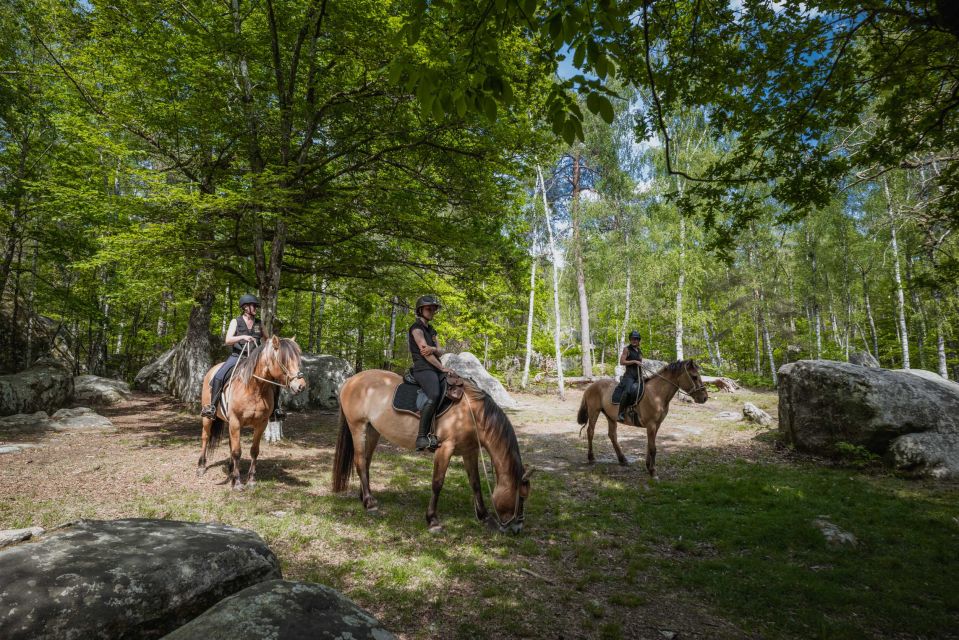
204, 441
372, 439
590, 429
359, 462
651, 450
235, 480
441, 462
615, 441
254, 452
471, 462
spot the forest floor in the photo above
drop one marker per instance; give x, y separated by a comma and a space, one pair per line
723, 546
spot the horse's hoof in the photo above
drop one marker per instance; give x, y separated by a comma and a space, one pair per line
623, 462
239, 486
200, 471
436, 528
373, 511
590, 460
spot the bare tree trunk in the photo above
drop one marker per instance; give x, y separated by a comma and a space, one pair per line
191, 359
679, 287
818, 320
586, 341
31, 297
162, 325
758, 368
766, 340
555, 257
227, 311
940, 340
359, 348
311, 331
900, 296
869, 316
529, 322
319, 318
391, 341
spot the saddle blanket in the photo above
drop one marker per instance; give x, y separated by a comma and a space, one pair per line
620, 391
409, 398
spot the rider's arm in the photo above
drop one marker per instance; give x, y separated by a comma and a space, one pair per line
622, 357
232, 338
421, 342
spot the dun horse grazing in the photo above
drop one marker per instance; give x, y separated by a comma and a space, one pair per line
249, 400
366, 413
652, 409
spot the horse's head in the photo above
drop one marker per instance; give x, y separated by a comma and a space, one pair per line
509, 501
692, 382
284, 363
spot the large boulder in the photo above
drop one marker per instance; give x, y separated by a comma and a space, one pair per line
97, 391
324, 375
650, 368
155, 377
45, 386
282, 610
468, 366
913, 420
125, 578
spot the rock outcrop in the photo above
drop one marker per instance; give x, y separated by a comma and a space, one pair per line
468, 366
125, 578
281, 610
864, 359
324, 375
155, 377
75, 420
912, 420
97, 391
46, 386
754, 414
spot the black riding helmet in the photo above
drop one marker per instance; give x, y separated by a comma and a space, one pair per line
426, 301
248, 299
635, 334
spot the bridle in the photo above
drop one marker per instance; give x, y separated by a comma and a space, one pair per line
517, 517
695, 388
289, 377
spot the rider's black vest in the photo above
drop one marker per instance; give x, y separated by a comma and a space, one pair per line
241, 330
429, 335
633, 353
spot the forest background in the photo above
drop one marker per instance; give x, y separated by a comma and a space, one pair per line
747, 184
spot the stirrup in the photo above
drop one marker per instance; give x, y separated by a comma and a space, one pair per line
431, 443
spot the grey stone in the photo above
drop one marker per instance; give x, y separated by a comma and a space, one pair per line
94, 390
155, 377
125, 578
754, 414
468, 366
932, 377
823, 403
729, 415
864, 359
650, 368
30, 422
282, 610
833, 534
324, 376
934, 455
13, 536
15, 448
80, 419
45, 386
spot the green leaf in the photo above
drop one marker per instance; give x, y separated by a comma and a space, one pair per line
569, 132
489, 107
605, 109
579, 55
592, 102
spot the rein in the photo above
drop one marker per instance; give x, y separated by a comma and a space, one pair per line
516, 517
694, 386
289, 378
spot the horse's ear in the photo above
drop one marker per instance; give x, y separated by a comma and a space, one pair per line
275, 341
293, 339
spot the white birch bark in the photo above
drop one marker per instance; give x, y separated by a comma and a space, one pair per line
529, 322
897, 277
554, 255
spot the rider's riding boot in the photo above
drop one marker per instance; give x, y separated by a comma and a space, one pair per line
278, 412
216, 387
424, 439
622, 413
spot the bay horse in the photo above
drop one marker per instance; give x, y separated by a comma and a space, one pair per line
366, 413
682, 375
249, 400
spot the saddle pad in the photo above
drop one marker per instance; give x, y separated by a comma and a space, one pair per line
620, 390
404, 399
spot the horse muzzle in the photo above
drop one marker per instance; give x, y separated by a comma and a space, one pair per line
297, 384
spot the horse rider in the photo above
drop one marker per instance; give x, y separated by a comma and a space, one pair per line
632, 359
244, 330
427, 368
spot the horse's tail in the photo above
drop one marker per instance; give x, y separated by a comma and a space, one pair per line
343, 458
583, 416
216, 432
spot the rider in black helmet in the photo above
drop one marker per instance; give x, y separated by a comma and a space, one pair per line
245, 329
632, 359
427, 368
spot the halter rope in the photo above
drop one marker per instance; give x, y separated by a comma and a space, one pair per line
694, 389
502, 525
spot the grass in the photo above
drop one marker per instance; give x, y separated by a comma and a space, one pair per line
723, 547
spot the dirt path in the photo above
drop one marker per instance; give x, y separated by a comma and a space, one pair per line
151, 461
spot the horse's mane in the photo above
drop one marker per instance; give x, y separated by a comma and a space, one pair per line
678, 366
287, 350
499, 430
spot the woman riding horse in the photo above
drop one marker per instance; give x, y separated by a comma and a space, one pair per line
427, 368
245, 331
632, 359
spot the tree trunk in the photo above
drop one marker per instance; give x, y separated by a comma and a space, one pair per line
227, 311
766, 340
191, 360
940, 340
621, 338
391, 342
900, 296
679, 287
268, 271
319, 318
31, 297
555, 257
869, 316
312, 329
529, 322
586, 341
359, 348
162, 326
